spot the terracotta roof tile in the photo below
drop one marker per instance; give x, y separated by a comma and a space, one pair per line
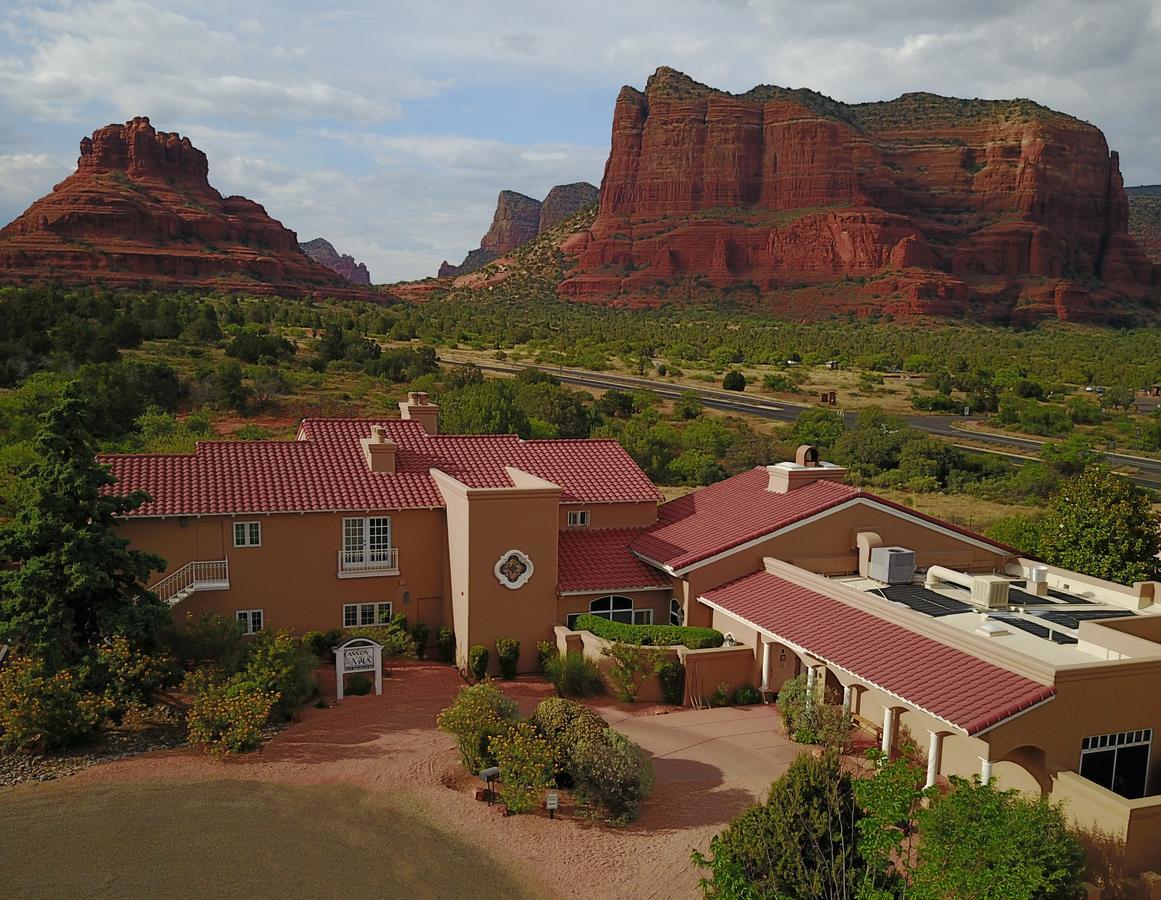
951, 684
729, 513
324, 470
600, 560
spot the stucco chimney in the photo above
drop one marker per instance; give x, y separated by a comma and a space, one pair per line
806, 469
379, 450
419, 409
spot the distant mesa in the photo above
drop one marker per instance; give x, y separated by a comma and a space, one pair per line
995, 210
139, 212
324, 253
519, 218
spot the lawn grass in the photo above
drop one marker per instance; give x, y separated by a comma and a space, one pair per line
231, 839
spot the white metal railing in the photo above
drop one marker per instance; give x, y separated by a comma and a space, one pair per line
210, 574
353, 563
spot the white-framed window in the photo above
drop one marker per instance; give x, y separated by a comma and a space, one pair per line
247, 534
362, 614
620, 609
251, 620
578, 518
676, 613
367, 541
1119, 761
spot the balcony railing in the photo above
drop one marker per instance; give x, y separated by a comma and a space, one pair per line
363, 564
199, 575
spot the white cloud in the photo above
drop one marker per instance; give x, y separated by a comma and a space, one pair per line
22, 180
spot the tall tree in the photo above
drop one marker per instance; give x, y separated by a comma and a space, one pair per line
66, 580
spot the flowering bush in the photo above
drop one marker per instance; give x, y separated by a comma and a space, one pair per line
563, 723
478, 661
279, 664
545, 651
130, 678
39, 711
478, 714
228, 718
508, 653
525, 761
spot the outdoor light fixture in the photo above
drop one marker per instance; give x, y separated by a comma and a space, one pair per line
782, 655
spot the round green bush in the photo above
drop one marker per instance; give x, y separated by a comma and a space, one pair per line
445, 645
508, 653
358, 685
478, 661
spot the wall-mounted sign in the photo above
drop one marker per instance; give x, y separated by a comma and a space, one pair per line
513, 569
358, 655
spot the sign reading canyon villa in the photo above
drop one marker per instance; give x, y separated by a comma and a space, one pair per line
358, 655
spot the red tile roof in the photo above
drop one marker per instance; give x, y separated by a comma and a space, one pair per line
952, 685
324, 470
599, 560
730, 513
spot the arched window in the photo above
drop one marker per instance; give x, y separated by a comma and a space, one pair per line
676, 613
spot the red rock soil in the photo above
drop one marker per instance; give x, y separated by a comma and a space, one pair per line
390, 743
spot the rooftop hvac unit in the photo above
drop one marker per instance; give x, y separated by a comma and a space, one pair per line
990, 591
893, 565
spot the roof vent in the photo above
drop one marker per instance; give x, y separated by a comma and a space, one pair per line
991, 628
419, 409
379, 450
806, 469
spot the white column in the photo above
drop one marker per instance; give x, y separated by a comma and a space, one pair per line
846, 698
765, 665
934, 757
985, 769
810, 681
888, 729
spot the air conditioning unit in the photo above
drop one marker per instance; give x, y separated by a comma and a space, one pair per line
990, 591
893, 565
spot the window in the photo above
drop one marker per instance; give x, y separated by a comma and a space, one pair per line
676, 613
367, 541
251, 620
578, 518
620, 609
362, 614
1118, 761
247, 534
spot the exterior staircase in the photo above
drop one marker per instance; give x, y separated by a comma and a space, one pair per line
199, 575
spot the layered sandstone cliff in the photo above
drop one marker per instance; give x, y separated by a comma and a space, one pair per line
519, 218
923, 205
140, 212
324, 253
1145, 218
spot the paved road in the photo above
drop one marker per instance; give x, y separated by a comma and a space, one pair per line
1144, 471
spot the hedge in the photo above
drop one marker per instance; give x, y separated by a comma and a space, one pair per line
657, 635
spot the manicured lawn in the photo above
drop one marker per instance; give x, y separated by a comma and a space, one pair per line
231, 839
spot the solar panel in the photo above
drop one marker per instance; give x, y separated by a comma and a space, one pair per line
923, 600
1073, 619
1067, 598
1032, 628
1052, 592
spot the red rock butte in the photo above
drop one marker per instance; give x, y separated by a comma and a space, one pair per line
140, 212
925, 205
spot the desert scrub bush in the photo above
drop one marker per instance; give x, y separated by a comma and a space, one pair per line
508, 654
545, 650
478, 661
130, 678
746, 695
632, 664
46, 711
810, 720
445, 645
526, 763
419, 633
721, 695
573, 675
478, 713
672, 678
612, 772
228, 718
658, 635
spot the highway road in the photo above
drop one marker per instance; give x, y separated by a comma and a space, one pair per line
1142, 470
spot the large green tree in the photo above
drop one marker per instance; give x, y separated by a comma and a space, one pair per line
66, 580
1102, 525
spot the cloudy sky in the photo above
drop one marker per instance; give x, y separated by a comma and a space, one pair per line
389, 127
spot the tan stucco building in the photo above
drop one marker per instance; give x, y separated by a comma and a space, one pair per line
1042, 679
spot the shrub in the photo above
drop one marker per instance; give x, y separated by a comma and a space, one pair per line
809, 720
394, 638
39, 711
322, 643
746, 695
445, 645
545, 650
358, 685
563, 722
632, 664
477, 714
508, 654
129, 677
419, 633
672, 677
658, 635
209, 639
734, 381
525, 760
228, 718
478, 661
721, 695
280, 664
573, 675
611, 771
